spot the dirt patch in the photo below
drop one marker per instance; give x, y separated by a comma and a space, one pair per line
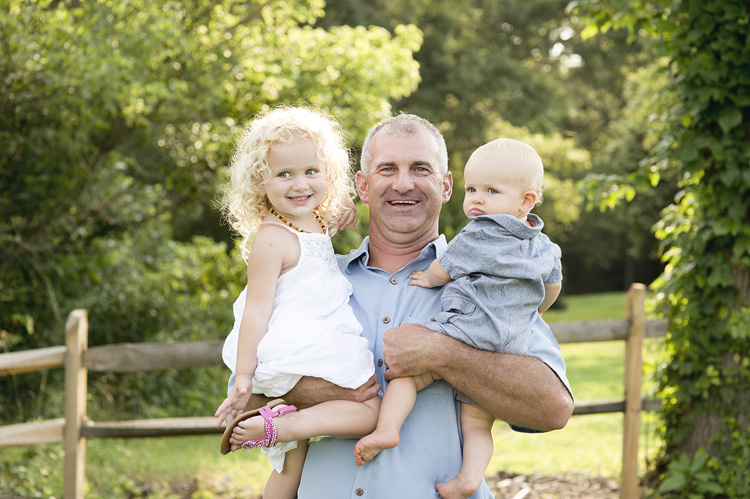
503, 485
515, 486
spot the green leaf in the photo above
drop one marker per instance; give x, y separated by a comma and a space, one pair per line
729, 118
672, 482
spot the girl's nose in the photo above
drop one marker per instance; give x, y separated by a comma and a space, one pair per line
300, 182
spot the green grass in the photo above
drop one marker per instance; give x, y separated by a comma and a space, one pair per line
588, 308
589, 444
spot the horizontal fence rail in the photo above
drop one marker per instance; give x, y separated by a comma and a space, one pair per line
77, 358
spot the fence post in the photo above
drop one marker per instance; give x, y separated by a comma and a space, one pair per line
636, 313
76, 342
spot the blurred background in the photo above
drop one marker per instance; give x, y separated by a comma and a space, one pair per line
118, 118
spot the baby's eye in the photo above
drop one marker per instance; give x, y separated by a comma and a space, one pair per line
285, 175
471, 189
492, 191
311, 171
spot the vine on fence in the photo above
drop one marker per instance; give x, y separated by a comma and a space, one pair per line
704, 233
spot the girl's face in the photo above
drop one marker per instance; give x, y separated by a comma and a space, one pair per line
296, 184
490, 190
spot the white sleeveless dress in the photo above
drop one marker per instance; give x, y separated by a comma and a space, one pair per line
312, 330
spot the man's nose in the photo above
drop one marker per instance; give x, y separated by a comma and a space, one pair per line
403, 181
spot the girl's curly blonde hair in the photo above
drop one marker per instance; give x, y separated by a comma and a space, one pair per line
245, 203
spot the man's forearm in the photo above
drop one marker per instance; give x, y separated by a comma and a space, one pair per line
310, 391
518, 389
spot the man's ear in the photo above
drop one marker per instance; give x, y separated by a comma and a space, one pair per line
447, 187
361, 181
528, 201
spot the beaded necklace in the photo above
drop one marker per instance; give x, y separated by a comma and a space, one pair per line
290, 224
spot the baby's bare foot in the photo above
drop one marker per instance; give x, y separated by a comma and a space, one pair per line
460, 487
370, 446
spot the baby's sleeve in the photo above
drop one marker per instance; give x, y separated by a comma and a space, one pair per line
556, 274
465, 253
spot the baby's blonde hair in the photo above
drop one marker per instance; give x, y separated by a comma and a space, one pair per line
522, 161
245, 203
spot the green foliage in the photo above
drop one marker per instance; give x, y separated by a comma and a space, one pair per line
116, 125
691, 478
704, 233
521, 68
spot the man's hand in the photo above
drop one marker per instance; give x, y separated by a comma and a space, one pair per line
235, 403
409, 350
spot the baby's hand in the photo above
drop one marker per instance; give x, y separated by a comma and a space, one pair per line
419, 278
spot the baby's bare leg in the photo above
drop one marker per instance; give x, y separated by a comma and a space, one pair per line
476, 429
284, 485
398, 402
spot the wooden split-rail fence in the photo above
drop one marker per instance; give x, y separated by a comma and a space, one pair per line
77, 359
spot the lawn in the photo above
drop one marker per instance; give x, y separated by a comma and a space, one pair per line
589, 445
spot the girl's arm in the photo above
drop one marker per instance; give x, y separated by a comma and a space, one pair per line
274, 251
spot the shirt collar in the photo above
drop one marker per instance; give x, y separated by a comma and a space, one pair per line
431, 251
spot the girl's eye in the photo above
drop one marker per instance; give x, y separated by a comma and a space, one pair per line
311, 171
285, 175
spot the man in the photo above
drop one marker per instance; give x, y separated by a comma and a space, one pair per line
405, 180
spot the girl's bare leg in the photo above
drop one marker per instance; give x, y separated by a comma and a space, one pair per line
398, 401
335, 418
284, 485
476, 429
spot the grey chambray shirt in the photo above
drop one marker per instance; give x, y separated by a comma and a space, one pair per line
498, 266
430, 448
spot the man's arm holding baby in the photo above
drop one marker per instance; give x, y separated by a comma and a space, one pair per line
518, 389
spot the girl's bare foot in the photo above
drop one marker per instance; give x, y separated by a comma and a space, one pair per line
251, 428
370, 446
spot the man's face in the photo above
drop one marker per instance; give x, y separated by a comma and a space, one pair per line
404, 189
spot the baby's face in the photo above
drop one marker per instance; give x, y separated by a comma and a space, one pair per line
490, 189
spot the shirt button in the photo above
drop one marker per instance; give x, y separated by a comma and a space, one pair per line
380, 362
386, 319
359, 492
394, 280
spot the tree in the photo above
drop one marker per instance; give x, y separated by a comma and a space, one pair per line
522, 67
116, 123
705, 129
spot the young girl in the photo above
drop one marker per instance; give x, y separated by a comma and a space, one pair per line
289, 181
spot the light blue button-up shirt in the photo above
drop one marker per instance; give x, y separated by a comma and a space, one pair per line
430, 448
